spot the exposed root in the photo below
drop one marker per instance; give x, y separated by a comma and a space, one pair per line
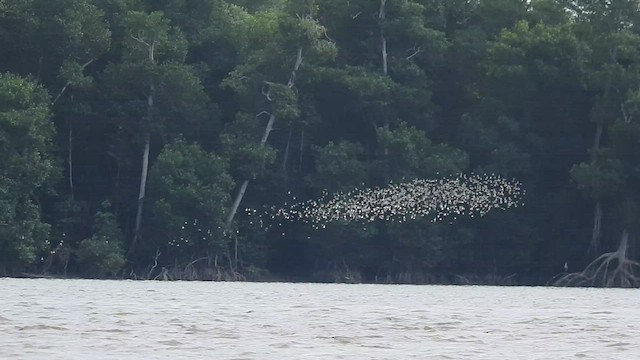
196, 270
613, 269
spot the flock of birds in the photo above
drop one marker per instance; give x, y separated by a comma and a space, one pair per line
450, 197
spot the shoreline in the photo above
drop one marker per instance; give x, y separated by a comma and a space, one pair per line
275, 279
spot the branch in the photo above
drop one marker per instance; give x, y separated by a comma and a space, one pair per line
195, 261
292, 78
263, 113
140, 40
625, 115
327, 36
87, 63
64, 88
416, 50
267, 92
382, 13
152, 51
155, 263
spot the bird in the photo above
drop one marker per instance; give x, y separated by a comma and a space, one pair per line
447, 197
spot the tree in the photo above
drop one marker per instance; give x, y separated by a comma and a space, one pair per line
339, 167
25, 168
609, 177
280, 42
153, 88
103, 253
534, 134
412, 155
189, 196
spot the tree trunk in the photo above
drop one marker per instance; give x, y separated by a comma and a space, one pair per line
141, 193
597, 216
70, 159
243, 187
236, 203
301, 152
263, 141
597, 141
268, 129
383, 40
145, 153
286, 153
597, 226
292, 78
385, 70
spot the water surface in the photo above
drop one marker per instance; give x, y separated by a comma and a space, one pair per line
92, 319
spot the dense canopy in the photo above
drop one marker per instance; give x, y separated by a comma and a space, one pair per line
140, 138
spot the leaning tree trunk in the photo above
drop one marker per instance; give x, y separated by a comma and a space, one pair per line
286, 153
301, 152
243, 188
267, 131
142, 191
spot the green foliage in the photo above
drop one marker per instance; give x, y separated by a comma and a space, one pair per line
410, 154
22, 234
189, 196
102, 254
356, 93
148, 35
600, 179
241, 144
25, 167
87, 31
339, 166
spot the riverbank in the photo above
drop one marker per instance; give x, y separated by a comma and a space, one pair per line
319, 278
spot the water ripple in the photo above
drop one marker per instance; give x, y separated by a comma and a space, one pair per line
84, 319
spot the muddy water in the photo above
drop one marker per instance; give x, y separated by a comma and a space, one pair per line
87, 319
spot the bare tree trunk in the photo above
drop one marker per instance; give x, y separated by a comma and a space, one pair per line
145, 153
268, 129
245, 183
597, 226
69, 83
301, 151
263, 141
141, 193
286, 153
597, 139
596, 233
292, 78
236, 203
235, 252
383, 40
385, 70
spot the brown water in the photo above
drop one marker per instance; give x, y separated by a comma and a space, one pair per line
88, 319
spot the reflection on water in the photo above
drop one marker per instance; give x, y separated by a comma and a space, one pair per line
88, 319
